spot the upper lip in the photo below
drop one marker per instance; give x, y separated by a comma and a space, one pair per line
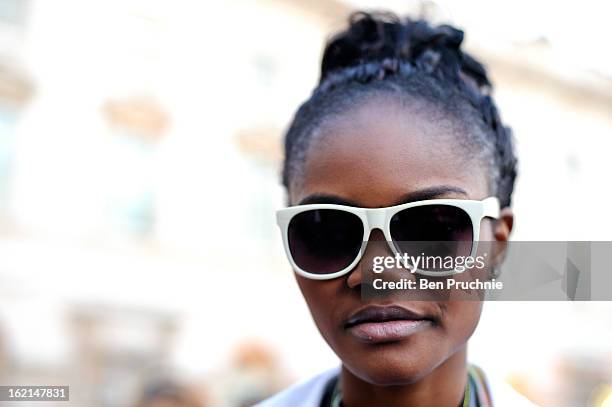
383, 314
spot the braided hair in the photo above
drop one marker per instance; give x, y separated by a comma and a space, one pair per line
379, 53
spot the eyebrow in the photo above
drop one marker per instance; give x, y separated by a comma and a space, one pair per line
431, 193
418, 195
327, 199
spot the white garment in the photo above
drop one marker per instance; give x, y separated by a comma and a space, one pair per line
310, 392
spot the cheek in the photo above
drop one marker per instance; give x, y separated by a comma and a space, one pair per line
320, 297
460, 320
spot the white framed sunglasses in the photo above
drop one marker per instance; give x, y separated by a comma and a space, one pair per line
326, 241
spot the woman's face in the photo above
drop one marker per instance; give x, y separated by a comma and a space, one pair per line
374, 156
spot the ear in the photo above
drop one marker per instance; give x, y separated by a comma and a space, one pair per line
503, 226
501, 230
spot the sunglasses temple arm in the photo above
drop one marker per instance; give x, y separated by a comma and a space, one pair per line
491, 207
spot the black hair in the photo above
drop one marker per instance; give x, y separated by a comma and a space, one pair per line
380, 53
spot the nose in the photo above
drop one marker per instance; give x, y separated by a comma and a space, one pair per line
376, 246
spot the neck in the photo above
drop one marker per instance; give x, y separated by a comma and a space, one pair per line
444, 386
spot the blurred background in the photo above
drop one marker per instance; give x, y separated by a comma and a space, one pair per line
140, 147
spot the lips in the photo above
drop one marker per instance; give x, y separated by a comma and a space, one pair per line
377, 324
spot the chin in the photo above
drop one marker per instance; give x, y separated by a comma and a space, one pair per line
390, 366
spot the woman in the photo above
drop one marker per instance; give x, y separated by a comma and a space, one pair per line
401, 119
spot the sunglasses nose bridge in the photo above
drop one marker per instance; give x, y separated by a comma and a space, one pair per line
376, 218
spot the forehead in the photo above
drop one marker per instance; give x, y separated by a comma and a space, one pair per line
376, 153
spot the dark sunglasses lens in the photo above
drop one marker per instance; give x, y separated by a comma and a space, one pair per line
324, 241
436, 230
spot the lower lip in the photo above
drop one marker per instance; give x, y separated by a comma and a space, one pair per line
389, 331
